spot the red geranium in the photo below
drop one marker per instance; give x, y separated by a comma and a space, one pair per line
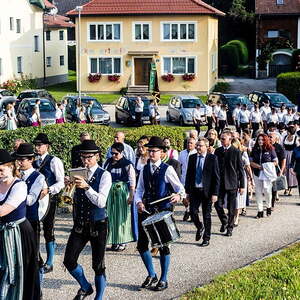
115, 78
94, 77
188, 77
168, 77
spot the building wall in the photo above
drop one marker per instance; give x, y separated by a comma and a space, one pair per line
202, 49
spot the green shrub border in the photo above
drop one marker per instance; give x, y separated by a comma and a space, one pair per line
242, 50
289, 85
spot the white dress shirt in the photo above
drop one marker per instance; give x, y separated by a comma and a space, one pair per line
196, 114
36, 188
235, 113
17, 194
255, 117
128, 153
184, 159
222, 115
264, 110
201, 166
139, 106
216, 109
272, 118
57, 167
287, 119
244, 116
99, 198
281, 114
208, 111
170, 177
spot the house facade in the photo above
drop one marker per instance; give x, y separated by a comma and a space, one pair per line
22, 51
131, 38
278, 19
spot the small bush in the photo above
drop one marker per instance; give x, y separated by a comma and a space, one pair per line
289, 85
296, 60
229, 56
221, 87
242, 49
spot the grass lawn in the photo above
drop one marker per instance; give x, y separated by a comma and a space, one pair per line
276, 277
62, 89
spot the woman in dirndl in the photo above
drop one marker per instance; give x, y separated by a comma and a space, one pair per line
18, 272
122, 214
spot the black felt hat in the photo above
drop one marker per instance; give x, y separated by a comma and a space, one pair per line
89, 146
42, 138
24, 150
5, 157
155, 142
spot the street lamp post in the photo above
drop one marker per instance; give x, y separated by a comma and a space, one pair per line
79, 9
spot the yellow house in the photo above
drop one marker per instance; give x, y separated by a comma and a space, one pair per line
129, 37
22, 51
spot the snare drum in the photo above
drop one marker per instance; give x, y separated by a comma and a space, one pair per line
161, 229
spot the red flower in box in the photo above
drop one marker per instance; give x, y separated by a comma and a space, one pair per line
115, 78
168, 77
94, 77
188, 77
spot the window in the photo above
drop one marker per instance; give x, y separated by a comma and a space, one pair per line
48, 35
141, 31
36, 43
61, 60
48, 61
273, 34
105, 32
279, 2
214, 62
61, 35
19, 64
11, 23
18, 23
278, 33
179, 65
105, 65
179, 31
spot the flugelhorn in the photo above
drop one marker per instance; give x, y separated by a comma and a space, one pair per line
68, 193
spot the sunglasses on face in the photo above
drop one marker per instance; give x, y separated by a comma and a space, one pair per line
114, 153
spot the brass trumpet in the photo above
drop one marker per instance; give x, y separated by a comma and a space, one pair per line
68, 193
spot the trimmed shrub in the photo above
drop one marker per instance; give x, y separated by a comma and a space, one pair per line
222, 87
296, 60
229, 56
289, 85
242, 49
65, 136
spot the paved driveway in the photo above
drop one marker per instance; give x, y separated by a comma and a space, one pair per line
191, 265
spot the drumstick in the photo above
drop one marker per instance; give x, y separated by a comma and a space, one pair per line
162, 199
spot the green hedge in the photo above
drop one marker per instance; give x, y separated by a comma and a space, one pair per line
289, 85
242, 50
64, 137
296, 60
229, 56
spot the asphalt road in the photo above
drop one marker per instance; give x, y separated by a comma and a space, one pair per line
191, 265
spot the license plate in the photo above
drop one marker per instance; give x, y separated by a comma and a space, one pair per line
145, 118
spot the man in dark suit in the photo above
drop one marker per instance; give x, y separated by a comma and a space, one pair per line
231, 180
202, 187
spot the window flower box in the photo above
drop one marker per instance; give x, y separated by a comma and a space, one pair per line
168, 77
114, 78
94, 77
188, 77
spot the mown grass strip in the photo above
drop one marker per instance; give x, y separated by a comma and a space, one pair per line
276, 277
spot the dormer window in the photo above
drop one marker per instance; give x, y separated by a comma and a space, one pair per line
279, 2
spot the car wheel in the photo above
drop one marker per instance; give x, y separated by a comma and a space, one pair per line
181, 121
117, 119
168, 117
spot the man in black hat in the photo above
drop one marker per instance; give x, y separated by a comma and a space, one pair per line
53, 170
157, 180
36, 183
76, 161
90, 222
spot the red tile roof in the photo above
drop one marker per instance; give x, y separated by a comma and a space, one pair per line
57, 21
146, 7
271, 7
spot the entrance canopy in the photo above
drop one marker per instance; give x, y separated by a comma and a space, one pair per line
142, 53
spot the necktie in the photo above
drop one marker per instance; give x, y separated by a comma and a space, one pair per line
39, 162
154, 167
22, 174
199, 170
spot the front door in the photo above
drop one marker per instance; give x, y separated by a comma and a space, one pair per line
142, 71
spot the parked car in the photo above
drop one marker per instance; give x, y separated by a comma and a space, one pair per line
40, 93
231, 100
181, 107
275, 99
47, 111
100, 116
124, 110
7, 96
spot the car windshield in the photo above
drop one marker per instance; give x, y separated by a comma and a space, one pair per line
278, 98
96, 104
235, 99
190, 103
132, 103
6, 93
28, 95
45, 106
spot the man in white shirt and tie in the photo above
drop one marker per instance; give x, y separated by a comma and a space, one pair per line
197, 117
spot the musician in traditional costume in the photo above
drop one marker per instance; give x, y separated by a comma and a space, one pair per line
122, 216
18, 256
36, 187
157, 180
90, 222
53, 170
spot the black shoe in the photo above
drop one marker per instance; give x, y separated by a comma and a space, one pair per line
204, 244
199, 234
228, 233
47, 268
149, 281
223, 228
162, 285
186, 216
269, 212
81, 294
260, 214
